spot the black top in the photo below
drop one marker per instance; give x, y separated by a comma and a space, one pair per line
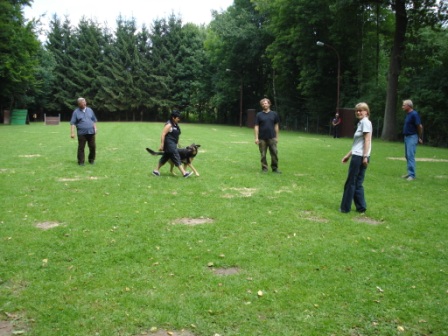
266, 122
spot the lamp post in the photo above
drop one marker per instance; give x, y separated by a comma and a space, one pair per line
241, 94
321, 44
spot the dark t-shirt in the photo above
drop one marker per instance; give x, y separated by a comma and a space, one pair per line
172, 137
411, 122
266, 123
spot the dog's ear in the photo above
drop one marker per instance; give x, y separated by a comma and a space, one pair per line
198, 146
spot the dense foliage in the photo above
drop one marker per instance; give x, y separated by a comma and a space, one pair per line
386, 51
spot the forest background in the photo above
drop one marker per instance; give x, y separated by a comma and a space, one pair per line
377, 51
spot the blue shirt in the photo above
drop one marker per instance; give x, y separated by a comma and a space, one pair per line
84, 121
411, 123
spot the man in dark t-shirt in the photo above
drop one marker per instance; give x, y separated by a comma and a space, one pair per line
266, 135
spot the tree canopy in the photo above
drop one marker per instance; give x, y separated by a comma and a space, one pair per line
377, 51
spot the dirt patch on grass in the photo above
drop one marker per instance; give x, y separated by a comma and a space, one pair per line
6, 328
368, 220
418, 159
75, 179
47, 225
163, 332
308, 215
226, 271
30, 156
245, 192
193, 221
14, 325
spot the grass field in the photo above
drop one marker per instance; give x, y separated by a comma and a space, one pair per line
110, 249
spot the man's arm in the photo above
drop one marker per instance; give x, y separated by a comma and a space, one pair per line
256, 129
420, 133
72, 131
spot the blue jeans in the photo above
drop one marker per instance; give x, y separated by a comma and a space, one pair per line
410, 147
353, 189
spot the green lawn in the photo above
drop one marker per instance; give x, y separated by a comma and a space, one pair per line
121, 261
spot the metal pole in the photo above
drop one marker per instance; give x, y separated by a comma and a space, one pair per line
321, 44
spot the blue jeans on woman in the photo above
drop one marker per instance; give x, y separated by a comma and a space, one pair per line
353, 188
410, 147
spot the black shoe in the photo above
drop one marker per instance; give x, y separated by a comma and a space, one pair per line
81, 163
92, 162
276, 171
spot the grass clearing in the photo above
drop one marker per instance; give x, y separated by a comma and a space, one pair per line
110, 249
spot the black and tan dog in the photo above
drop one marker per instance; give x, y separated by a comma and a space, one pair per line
187, 156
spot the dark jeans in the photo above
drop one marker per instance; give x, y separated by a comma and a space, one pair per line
263, 146
353, 189
336, 131
90, 140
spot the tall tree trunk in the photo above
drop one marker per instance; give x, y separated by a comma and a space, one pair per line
390, 120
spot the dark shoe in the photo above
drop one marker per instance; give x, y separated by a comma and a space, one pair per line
187, 174
81, 163
277, 171
155, 173
340, 210
92, 162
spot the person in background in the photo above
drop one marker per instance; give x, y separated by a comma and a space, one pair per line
84, 119
266, 135
168, 144
336, 124
360, 157
413, 135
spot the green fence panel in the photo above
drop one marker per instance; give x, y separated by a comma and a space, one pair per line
19, 117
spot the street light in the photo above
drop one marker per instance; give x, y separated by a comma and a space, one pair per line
321, 44
241, 94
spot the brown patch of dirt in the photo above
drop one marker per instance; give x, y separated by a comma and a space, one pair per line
308, 215
418, 159
30, 156
74, 179
6, 328
193, 221
47, 225
14, 325
368, 220
226, 271
163, 332
245, 192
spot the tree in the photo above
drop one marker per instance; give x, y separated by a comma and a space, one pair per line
19, 47
419, 13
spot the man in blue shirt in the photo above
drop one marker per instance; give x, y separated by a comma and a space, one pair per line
413, 135
84, 119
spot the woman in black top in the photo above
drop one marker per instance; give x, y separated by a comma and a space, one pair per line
168, 144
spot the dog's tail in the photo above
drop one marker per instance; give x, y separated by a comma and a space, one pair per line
150, 151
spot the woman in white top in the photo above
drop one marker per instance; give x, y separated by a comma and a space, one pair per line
360, 157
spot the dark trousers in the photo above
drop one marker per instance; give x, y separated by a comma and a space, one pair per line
90, 140
353, 188
263, 146
336, 131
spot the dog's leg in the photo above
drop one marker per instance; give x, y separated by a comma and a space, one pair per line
172, 168
193, 169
